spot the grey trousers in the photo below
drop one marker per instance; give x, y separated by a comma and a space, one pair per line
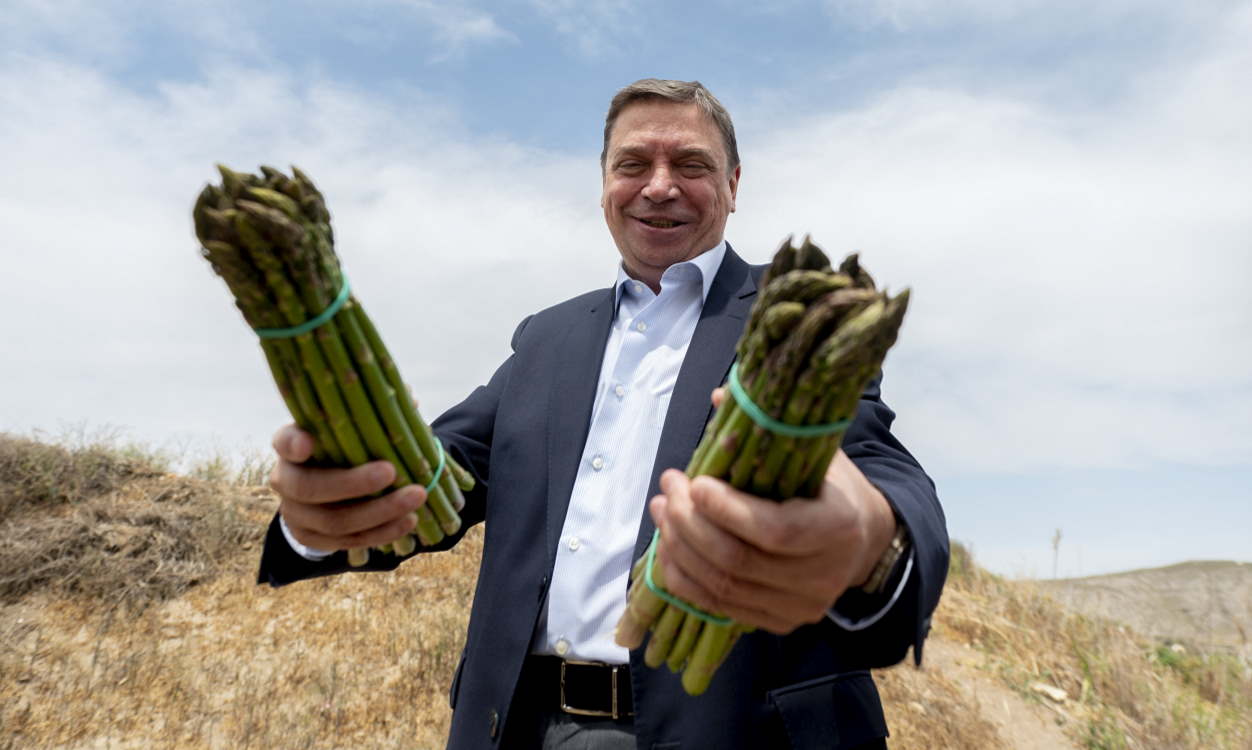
566, 732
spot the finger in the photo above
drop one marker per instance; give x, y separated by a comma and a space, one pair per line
658, 507
343, 520
790, 528
317, 486
736, 572
293, 444
711, 553
774, 620
705, 551
373, 537
674, 485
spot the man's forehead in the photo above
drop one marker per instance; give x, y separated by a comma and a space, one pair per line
640, 123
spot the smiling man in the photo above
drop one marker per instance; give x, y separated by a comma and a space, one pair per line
669, 185
604, 397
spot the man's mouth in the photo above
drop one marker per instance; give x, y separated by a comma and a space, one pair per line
662, 223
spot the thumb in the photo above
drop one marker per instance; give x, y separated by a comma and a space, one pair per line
293, 444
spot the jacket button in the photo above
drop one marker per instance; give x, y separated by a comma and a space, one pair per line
495, 723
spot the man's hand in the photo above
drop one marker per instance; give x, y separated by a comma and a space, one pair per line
773, 565
322, 507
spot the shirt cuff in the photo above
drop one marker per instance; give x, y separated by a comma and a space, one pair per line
308, 553
860, 623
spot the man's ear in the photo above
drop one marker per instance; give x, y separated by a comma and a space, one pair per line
734, 187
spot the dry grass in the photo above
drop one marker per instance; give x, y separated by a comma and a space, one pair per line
140, 627
111, 525
361, 661
138, 623
1125, 691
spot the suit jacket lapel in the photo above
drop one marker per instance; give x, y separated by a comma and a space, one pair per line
569, 408
708, 359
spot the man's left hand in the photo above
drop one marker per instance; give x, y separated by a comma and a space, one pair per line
773, 565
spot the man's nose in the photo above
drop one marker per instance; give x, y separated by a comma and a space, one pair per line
661, 186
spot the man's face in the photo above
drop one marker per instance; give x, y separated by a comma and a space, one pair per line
667, 189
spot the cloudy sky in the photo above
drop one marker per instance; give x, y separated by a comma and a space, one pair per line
1065, 186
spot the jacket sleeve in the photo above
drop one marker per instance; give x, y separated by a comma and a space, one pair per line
886, 463
465, 431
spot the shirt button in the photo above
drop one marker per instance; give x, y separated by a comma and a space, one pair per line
597, 463
619, 391
638, 286
562, 647
641, 326
575, 543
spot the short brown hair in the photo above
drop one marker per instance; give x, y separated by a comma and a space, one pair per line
674, 91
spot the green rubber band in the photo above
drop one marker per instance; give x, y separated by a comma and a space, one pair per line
443, 460
759, 416
670, 598
308, 325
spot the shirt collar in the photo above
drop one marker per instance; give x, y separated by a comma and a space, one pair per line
707, 263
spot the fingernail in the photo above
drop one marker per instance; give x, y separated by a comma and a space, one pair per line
412, 497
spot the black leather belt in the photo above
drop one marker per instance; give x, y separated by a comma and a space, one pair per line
583, 688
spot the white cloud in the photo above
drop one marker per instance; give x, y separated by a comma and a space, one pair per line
1080, 279
594, 26
905, 15
457, 25
111, 34
124, 324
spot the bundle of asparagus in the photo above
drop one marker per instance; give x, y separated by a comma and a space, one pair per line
268, 236
814, 338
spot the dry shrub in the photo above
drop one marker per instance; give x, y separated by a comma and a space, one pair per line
1119, 687
108, 525
35, 474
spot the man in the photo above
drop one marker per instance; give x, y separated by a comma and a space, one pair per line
603, 397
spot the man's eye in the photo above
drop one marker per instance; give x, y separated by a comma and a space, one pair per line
694, 168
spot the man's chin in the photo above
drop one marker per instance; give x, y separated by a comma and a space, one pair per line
661, 258
665, 250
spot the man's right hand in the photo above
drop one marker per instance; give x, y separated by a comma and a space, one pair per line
324, 508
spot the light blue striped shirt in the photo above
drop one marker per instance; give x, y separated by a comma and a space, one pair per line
642, 357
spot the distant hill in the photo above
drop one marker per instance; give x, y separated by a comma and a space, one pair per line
1202, 603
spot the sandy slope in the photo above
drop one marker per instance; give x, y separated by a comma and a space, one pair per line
1208, 604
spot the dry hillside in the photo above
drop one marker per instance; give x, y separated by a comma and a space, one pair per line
128, 619
1202, 604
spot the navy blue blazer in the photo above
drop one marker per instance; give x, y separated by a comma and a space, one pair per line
522, 435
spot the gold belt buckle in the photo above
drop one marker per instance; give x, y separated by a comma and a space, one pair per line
585, 711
